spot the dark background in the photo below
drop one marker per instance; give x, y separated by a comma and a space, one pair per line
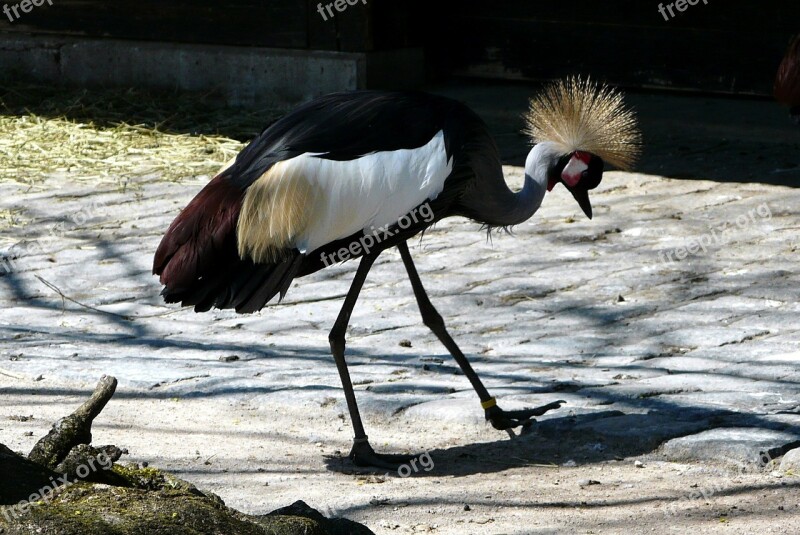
730, 47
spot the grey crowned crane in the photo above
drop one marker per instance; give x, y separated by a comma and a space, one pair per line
325, 176
787, 81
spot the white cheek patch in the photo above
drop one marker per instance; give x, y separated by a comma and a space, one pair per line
573, 171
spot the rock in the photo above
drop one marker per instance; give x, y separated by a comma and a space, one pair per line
93, 509
331, 526
150, 501
740, 446
89, 463
112, 499
791, 461
131, 475
21, 477
638, 464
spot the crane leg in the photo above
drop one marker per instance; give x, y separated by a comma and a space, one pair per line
362, 453
500, 419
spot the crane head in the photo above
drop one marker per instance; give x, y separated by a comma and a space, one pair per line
579, 172
587, 125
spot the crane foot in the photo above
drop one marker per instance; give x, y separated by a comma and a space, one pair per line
507, 420
362, 454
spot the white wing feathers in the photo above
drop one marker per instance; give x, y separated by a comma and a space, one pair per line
308, 201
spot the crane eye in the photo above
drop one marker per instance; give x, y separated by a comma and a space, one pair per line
592, 176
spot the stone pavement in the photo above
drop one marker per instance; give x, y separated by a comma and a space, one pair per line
668, 323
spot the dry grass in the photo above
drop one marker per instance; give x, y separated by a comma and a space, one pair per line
114, 136
33, 148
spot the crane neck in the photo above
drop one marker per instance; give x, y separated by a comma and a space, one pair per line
490, 200
521, 205
524, 203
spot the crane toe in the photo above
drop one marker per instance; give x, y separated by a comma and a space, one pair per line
507, 420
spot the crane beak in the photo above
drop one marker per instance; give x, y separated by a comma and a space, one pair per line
582, 196
576, 175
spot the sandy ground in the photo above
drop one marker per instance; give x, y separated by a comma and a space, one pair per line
697, 348
480, 482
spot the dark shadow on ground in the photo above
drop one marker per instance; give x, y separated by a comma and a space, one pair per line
582, 439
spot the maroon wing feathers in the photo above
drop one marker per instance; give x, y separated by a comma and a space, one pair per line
203, 232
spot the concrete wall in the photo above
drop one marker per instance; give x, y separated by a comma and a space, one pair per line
243, 75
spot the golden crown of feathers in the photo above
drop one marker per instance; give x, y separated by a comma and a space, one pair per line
579, 115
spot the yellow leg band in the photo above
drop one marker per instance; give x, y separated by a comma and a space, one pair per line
489, 403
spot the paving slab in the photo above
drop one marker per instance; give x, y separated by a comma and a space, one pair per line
746, 446
791, 461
